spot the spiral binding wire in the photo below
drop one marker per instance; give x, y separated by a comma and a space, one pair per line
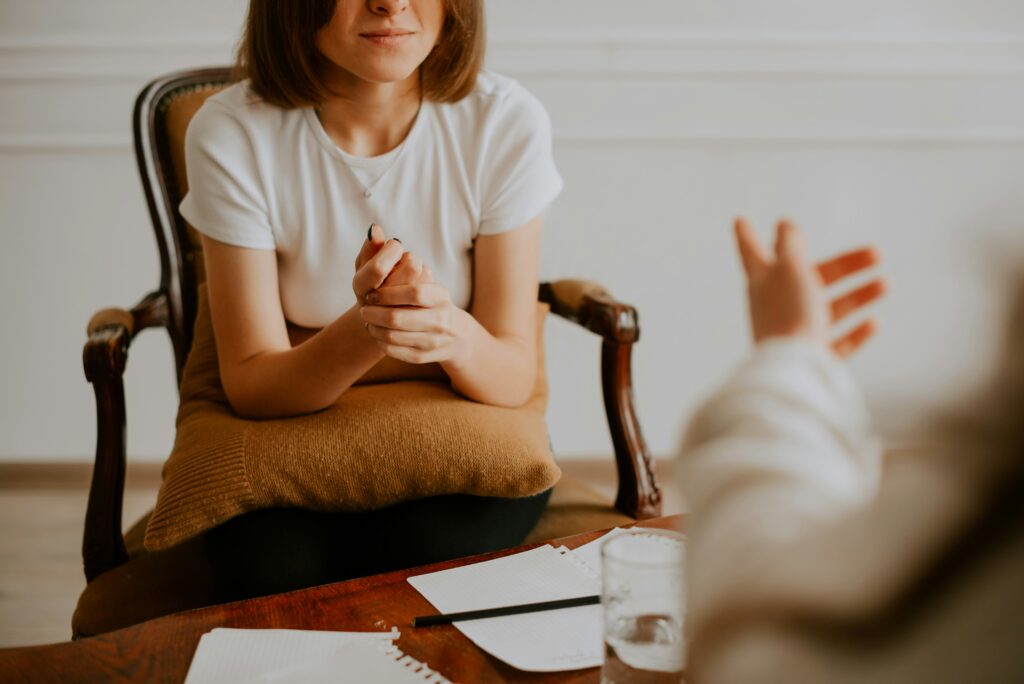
421, 670
579, 563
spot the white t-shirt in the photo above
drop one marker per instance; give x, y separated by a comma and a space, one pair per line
263, 177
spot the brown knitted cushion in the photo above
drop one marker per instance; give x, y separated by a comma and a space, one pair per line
383, 442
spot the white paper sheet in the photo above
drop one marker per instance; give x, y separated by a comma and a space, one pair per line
251, 656
357, 662
590, 553
546, 641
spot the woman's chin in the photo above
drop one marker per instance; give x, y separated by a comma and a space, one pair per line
389, 73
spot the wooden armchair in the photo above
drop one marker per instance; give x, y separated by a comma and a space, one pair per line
125, 583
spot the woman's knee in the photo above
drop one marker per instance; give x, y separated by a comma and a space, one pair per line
452, 526
273, 550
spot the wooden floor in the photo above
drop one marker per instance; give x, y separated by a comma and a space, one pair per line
42, 509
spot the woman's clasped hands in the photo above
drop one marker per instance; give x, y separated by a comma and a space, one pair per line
411, 317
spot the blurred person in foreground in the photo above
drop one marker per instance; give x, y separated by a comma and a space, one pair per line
810, 558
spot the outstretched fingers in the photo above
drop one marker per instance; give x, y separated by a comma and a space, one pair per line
853, 340
847, 264
789, 241
752, 254
866, 294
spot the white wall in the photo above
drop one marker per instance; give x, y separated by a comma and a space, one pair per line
895, 122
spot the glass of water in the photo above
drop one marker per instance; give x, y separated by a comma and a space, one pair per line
642, 597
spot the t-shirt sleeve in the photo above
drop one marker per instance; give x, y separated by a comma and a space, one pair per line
519, 175
225, 199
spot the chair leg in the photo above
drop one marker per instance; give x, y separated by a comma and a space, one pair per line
103, 542
639, 495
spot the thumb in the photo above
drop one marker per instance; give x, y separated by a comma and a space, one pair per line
375, 236
371, 245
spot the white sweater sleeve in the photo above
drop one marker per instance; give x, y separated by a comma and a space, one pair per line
784, 448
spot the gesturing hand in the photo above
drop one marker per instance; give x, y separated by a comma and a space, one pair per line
787, 294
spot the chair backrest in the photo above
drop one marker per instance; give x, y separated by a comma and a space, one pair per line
163, 111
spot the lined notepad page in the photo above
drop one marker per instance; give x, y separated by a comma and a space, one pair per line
547, 641
359, 663
275, 656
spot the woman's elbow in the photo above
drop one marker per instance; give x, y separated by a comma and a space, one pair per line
514, 398
246, 399
518, 389
523, 386
244, 403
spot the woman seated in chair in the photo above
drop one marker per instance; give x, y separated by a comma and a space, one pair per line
352, 114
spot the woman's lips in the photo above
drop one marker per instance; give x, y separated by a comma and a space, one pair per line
387, 39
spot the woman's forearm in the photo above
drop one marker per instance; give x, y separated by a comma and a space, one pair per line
307, 378
495, 370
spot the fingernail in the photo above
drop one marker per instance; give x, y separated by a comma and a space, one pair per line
397, 240
372, 297
369, 233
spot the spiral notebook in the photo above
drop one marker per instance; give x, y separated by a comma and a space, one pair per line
276, 656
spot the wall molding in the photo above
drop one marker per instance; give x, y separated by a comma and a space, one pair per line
589, 54
66, 67
65, 143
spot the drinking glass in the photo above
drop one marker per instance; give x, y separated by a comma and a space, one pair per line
642, 598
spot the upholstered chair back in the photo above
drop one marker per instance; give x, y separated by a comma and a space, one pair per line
163, 113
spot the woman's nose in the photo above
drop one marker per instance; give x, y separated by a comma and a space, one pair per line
387, 8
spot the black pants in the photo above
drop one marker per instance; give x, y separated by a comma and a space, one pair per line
280, 549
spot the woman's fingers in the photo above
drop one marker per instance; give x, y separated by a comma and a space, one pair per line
847, 263
412, 354
862, 296
752, 254
371, 245
407, 320
375, 271
422, 295
408, 271
853, 340
422, 341
789, 242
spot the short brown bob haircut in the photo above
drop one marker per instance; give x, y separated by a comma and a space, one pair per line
278, 52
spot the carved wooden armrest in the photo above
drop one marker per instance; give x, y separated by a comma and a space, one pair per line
110, 332
589, 305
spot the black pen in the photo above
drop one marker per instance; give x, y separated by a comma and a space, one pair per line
444, 619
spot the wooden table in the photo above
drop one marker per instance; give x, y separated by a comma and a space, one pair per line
161, 650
